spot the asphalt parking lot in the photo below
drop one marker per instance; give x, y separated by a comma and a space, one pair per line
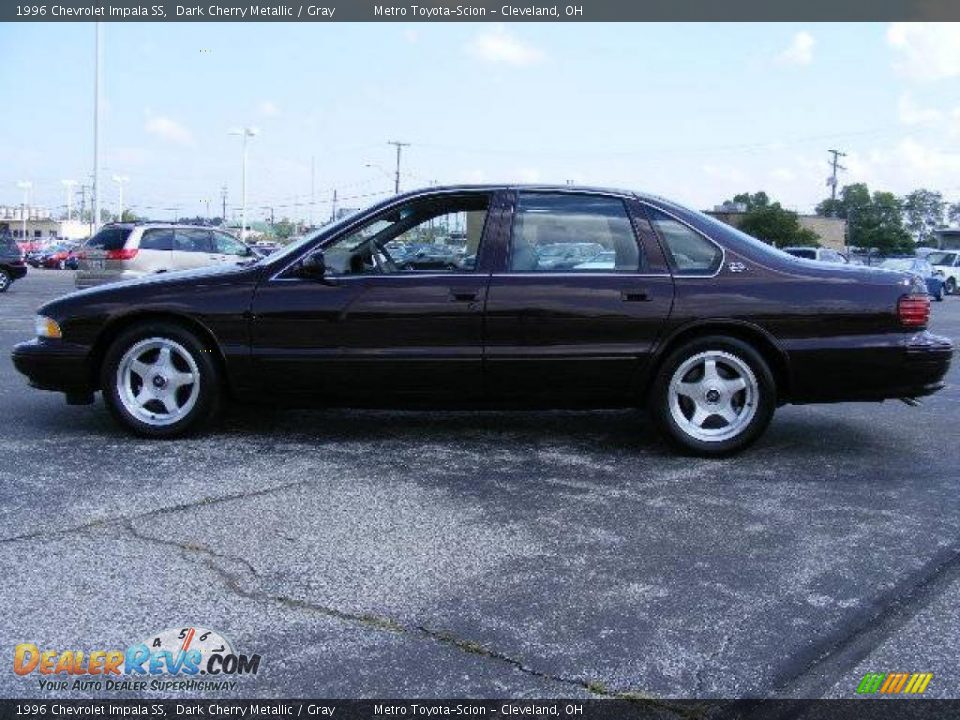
560, 554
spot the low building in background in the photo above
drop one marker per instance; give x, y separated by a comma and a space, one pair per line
832, 232
948, 238
41, 226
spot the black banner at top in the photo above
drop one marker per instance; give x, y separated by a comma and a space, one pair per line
477, 10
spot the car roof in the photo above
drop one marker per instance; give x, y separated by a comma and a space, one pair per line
493, 187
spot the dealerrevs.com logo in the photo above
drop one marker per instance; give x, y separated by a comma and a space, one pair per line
173, 659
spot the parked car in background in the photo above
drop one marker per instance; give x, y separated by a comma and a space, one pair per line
708, 328
918, 267
12, 266
566, 255
606, 260
59, 256
947, 262
125, 251
813, 253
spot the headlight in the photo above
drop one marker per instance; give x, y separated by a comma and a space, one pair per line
47, 327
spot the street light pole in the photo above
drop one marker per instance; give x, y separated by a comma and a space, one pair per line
68, 184
96, 129
120, 180
244, 133
24, 185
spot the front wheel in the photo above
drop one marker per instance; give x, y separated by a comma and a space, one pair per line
713, 396
160, 381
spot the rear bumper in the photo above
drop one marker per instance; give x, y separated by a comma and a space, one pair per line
54, 365
16, 271
869, 368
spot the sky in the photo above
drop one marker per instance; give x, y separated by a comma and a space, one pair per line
693, 112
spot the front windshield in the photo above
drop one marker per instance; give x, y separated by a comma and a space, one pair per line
294, 247
940, 258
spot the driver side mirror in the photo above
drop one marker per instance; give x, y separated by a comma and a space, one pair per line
313, 266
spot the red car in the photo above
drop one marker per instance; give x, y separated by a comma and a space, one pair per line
60, 257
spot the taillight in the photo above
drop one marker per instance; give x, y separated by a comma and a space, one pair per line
122, 254
914, 310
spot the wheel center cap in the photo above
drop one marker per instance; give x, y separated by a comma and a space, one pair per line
713, 395
159, 381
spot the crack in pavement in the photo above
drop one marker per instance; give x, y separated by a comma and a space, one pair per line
166, 510
381, 622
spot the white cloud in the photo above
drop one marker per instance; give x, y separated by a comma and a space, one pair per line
800, 51
168, 129
926, 51
913, 114
268, 108
499, 46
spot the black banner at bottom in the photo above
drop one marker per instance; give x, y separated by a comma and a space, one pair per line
612, 709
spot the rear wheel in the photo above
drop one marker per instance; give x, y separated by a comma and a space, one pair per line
951, 286
160, 381
5, 280
713, 396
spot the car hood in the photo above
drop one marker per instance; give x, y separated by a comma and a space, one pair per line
197, 276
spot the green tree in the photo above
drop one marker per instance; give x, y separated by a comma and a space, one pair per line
873, 221
751, 201
923, 212
772, 223
284, 229
953, 214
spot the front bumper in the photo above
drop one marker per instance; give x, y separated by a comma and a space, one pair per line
869, 368
55, 365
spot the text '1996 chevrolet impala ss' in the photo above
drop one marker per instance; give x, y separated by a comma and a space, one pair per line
500, 296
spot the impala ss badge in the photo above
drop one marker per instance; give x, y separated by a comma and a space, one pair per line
736, 266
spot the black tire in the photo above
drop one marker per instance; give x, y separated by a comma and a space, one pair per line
5, 280
208, 397
763, 387
940, 293
950, 287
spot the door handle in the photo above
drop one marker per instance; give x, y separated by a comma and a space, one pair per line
635, 296
463, 295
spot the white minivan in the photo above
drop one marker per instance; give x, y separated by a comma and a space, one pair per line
123, 251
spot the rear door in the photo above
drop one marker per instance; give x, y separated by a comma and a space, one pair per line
574, 336
155, 253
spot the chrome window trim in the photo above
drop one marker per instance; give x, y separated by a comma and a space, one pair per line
723, 250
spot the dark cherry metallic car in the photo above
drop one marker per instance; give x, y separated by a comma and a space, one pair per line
708, 328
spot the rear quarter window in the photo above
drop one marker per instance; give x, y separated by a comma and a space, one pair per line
109, 238
689, 252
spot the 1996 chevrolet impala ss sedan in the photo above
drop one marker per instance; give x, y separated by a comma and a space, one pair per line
499, 296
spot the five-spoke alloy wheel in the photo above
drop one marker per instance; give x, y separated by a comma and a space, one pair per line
159, 380
713, 396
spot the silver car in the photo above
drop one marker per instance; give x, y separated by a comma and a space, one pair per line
123, 251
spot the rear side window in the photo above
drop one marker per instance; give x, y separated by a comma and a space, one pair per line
572, 233
689, 252
188, 240
159, 239
109, 238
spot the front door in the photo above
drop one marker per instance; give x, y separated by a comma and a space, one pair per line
577, 311
397, 318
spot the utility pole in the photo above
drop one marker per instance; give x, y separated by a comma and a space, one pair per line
333, 207
83, 201
835, 165
400, 146
223, 201
25, 185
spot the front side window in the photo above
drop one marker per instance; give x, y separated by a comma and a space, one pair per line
228, 245
572, 233
189, 240
436, 235
689, 252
